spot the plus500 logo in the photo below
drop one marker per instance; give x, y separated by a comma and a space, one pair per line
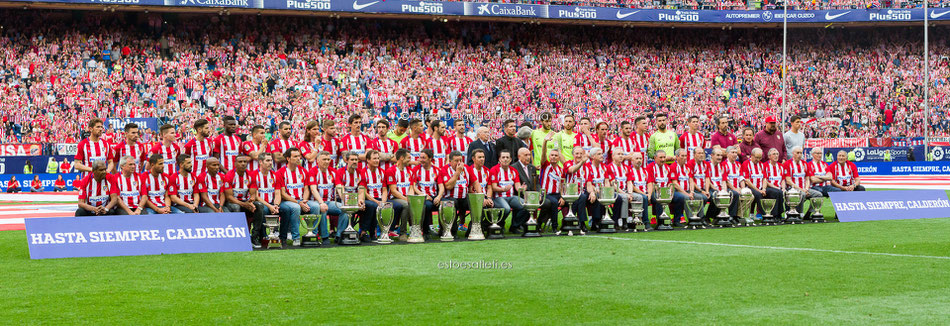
891, 15
313, 4
680, 16
577, 13
423, 8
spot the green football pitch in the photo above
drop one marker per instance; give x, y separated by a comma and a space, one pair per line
891, 272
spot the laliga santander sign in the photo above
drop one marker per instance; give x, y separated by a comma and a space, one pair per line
21, 150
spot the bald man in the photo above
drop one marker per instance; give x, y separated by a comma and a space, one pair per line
527, 172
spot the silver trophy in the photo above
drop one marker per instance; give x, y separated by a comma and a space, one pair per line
494, 216
816, 203
723, 200
476, 203
767, 206
607, 198
745, 207
636, 212
532, 202
351, 204
447, 218
570, 223
664, 196
695, 206
416, 209
794, 198
271, 224
385, 215
309, 222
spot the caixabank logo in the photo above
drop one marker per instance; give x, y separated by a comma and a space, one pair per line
500, 9
890, 15
578, 13
217, 3
679, 16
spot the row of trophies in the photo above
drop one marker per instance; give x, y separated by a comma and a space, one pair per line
533, 201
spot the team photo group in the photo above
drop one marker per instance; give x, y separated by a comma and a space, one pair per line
386, 179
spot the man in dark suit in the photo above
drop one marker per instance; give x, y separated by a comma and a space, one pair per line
509, 143
527, 173
483, 143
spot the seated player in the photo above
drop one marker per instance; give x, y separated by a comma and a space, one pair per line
98, 195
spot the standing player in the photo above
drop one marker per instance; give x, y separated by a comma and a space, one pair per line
439, 144
641, 137
331, 144
129, 147
169, 149
201, 146
624, 144
385, 146
92, 149
281, 144
255, 147
228, 144
584, 139
415, 143
311, 145
692, 138
460, 141
356, 141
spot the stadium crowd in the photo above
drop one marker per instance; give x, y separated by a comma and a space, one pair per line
59, 70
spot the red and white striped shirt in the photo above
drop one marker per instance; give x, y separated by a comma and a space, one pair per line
620, 173
596, 175
200, 152
385, 145
799, 172
356, 143
324, 182
293, 180
503, 177
754, 172
462, 184
733, 174
844, 173
249, 147
278, 146
584, 141
155, 187
642, 142
89, 152
136, 150
334, 146
374, 181
213, 184
660, 174
402, 178
266, 185
691, 142
228, 149
640, 177
624, 145
576, 177
97, 192
306, 148
700, 174
169, 155
414, 145
818, 168
481, 175
440, 150
460, 144
129, 189
681, 175
349, 180
427, 180
239, 184
551, 176
717, 176
775, 173
184, 186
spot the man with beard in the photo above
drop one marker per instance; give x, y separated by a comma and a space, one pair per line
239, 189
155, 188
769, 138
92, 149
267, 199
211, 187
281, 144
323, 191
228, 144
183, 188
663, 139
200, 147
624, 144
255, 147
538, 136
566, 137
129, 147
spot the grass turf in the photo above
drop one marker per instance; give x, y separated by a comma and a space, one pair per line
551, 280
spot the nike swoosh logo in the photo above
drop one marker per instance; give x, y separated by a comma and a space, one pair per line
935, 15
828, 15
357, 6
622, 16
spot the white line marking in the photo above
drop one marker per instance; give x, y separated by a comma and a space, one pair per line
771, 247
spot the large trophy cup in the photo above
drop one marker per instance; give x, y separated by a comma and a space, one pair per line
816, 216
570, 222
476, 203
745, 207
351, 204
664, 196
494, 216
532, 202
385, 215
723, 200
767, 206
309, 222
447, 218
695, 206
636, 212
417, 205
607, 198
271, 224
794, 198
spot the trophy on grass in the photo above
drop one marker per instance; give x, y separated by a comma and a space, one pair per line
532, 202
417, 205
767, 206
636, 212
570, 222
447, 218
351, 204
476, 203
384, 215
816, 216
695, 206
494, 216
794, 198
607, 198
723, 200
271, 224
309, 222
664, 196
745, 207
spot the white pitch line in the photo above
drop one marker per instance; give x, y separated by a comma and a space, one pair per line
774, 248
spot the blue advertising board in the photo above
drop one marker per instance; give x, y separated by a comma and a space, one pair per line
47, 179
98, 236
143, 123
890, 205
15, 164
903, 168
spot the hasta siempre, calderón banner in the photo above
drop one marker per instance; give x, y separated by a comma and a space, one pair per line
890, 205
98, 236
